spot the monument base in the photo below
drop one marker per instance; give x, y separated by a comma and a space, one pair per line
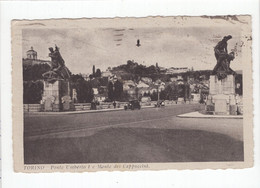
53, 95
222, 98
67, 103
221, 104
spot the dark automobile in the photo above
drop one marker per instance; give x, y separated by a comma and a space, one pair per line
134, 104
160, 103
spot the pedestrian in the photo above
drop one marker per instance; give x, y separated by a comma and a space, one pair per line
93, 105
114, 104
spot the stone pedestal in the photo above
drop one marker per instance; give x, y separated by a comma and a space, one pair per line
221, 99
53, 93
225, 86
66, 103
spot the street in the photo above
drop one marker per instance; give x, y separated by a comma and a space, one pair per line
146, 135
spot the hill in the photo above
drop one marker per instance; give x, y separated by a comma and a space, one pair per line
134, 71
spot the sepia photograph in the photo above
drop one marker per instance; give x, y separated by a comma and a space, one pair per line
130, 93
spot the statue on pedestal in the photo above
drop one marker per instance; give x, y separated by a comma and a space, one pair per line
56, 84
58, 69
222, 68
222, 90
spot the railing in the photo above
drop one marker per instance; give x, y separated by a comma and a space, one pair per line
33, 107
102, 105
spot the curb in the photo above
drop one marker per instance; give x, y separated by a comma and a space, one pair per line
199, 115
72, 112
80, 112
89, 111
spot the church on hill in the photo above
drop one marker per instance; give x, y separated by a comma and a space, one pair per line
31, 58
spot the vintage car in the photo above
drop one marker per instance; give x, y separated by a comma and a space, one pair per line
160, 103
134, 104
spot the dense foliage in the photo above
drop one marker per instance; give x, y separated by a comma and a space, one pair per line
33, 84
32, 92
84, 88
115, 91
134, 71
171, 92
34, 72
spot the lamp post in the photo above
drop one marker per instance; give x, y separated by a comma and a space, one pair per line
158, 92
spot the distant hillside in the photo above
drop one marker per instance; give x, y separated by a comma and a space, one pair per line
134, 71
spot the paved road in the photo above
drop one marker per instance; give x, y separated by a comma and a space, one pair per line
146, 135
46, 124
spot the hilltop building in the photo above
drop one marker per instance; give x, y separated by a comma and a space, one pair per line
142, 85
31, 58
31, 54
146, 80
107, 73
128, 84
174, 70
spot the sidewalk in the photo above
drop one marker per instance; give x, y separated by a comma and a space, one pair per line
81, 112
200, 115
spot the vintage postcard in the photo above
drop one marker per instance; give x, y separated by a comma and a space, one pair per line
124, 94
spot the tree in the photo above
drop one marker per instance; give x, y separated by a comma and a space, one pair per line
186, 91
168, 91
93, 70
181, 90
115, 91
88, 91
75, 78
171, 91
163, 95
154, 96
136, 92
34, 72
32, 92
125, 96
118, 91
84, 89
98, 73
174, 94
110, 91
103, 81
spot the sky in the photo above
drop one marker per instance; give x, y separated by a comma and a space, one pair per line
177, 44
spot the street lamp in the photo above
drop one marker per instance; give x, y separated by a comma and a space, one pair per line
158, 91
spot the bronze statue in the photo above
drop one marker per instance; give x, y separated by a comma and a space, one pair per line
58, 68
222, 68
